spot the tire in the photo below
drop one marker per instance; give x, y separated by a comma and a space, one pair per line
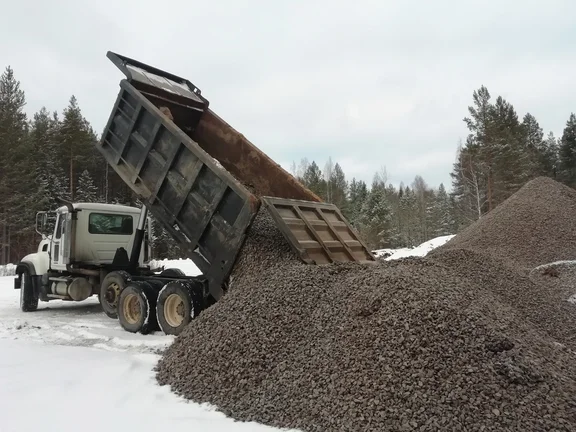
28, 296
173, 272
110, 289
137, 308
156, 286
178, 304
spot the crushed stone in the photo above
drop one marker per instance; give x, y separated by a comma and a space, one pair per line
445, 342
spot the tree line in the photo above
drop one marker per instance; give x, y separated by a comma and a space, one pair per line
48, 156
501, 153
383, 215
53, 155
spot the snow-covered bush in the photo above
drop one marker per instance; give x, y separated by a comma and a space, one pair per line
8, 270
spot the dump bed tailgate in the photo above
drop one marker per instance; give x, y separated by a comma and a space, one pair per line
317, 232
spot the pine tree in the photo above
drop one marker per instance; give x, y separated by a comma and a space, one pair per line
77, 144
410, 235
548, 155
86, 190
339, 188
533, 137
511, 160
445, 221
358, 192
50, 178
433, 214
499, 156
567, 153
313, 180
375, 219
163, 245
393, 197
468, 185
424, 196
14, 173
481, 141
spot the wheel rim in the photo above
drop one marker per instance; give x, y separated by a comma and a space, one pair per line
112, 294
174, 310
131, 309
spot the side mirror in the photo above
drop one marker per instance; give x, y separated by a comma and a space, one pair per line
41, 222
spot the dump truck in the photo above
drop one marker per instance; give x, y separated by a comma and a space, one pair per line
204, 182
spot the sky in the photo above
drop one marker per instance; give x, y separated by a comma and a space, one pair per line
372, 83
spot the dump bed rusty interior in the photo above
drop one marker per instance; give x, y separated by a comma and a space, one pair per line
191, 113
204, 181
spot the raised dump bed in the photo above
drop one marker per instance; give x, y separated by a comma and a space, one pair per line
204, 181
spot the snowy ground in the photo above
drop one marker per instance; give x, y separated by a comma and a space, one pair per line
421, 250
68, 367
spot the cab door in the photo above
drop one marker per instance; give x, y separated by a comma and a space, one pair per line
60, 248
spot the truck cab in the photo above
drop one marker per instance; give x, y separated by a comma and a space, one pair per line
95, 235
88, 241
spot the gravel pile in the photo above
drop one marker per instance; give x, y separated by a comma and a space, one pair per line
536, 297
392, 346
536, 225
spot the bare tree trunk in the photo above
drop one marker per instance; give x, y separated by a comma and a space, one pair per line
328, 169
7, 244
3, 245
472, 184
106, 184
490, 189
71, 173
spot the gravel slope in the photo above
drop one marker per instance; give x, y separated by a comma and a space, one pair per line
534, 226
435, 343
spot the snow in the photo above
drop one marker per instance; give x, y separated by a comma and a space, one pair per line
563, 264
73, 367
7, 270
419, 251
68, 367
186, 265
218, 164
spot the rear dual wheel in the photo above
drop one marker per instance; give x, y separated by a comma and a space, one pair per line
137, 307
110, 290
178, 303
147, 306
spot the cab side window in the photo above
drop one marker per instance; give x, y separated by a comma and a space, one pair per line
101, 223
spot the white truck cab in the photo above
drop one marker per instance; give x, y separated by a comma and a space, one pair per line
89, 241
100, 230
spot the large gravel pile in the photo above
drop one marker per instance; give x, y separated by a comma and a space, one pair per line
534, 226
394, 346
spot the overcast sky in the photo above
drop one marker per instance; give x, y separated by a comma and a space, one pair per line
369, 83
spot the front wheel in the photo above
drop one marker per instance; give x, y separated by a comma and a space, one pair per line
28, 296
178, 304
